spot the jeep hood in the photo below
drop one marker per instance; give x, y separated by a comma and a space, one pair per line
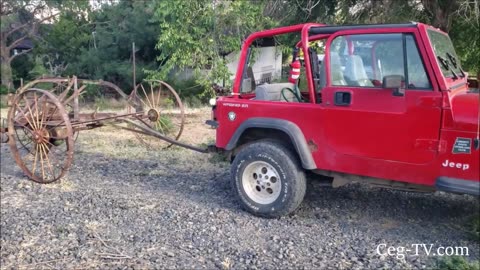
465, 110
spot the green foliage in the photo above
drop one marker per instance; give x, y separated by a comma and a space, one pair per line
196, 34
193, 102
4, 90
21, 20
467, 48
21, 68
38, 69
164, 125
188, 88
190, 92
457, 263
168, 103
174, 35
98, 44
62, 43
109, 55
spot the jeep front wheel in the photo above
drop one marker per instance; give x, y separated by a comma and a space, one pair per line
267, 178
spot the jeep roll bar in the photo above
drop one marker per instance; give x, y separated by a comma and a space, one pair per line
302, 28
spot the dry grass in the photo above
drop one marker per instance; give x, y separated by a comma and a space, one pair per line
3, 112
64, 185
113, 142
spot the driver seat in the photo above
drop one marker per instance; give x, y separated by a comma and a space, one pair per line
355, 72
336, 73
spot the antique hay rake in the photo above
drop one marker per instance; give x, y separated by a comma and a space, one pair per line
44, 119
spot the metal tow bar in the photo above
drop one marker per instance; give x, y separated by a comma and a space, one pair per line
151, 132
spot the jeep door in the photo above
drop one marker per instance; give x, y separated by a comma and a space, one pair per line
363, 116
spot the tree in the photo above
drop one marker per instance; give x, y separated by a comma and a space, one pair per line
98, 44
197, 34
466, 26
19, 22
60, 44
379, 11
440, 12
108, 55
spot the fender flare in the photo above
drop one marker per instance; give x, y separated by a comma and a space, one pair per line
291, 129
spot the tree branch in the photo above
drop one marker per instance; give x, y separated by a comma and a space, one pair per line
15, 29
16, 42
18, 54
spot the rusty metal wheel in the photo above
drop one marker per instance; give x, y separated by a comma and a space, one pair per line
40, 135
62, 89
162, 109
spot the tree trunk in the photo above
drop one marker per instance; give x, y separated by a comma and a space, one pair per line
441, 12
6, 69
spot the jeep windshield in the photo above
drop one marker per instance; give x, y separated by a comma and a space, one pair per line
445, 53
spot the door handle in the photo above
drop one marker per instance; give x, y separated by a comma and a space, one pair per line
342, 98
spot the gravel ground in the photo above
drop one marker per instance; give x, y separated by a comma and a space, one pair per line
122, 206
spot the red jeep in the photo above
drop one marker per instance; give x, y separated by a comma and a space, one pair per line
389, 105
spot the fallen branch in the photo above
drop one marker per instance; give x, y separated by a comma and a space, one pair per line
113, 256
117, 256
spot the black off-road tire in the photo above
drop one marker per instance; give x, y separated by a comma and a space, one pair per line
291, 175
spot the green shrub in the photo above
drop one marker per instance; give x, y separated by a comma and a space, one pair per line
457, 263
164, 125
45, 86
102, 103
168, 103
4, 90
193, 102
190, 92
38, 69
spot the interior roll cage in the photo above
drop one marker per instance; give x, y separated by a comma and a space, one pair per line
309, 32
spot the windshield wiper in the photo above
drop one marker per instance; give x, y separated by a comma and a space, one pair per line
453, 60
446, 66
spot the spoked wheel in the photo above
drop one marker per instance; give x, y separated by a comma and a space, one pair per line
41, 135
162, 110
63, 91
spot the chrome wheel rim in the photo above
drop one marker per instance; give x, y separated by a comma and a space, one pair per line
261, 182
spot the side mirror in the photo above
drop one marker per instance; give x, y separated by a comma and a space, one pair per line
395, 82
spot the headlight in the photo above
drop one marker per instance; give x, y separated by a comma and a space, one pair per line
213, 102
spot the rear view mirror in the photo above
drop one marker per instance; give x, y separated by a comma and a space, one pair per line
395, 82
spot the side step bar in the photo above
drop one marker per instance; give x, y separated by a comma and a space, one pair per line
456, 185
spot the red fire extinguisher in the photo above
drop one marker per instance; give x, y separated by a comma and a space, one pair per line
294, 71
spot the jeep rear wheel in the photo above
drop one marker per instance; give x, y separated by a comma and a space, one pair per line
267, 178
